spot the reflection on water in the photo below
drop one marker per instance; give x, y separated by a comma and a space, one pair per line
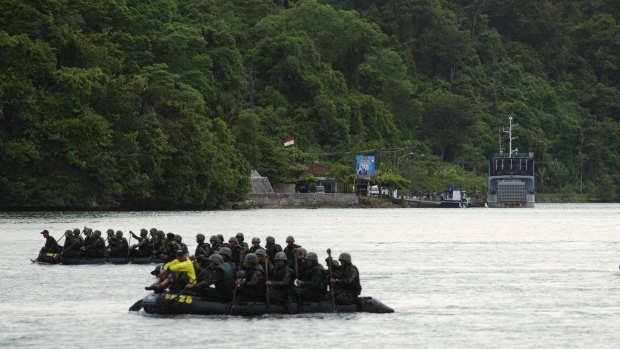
456, 278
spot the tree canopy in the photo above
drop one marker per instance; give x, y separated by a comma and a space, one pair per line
169, 103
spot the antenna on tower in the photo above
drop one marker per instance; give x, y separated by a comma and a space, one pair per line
510, 137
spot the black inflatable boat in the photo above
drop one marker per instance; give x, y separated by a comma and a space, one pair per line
54, 258
169, 304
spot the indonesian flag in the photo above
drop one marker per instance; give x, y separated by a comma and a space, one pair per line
289, 141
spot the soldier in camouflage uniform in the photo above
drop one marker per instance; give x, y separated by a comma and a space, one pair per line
73, 245
214, 245
271, 247
252, 286
123, 245
143, 248
203, 251
95, 248
113, 249
346, 280
242, 243
263, 260
51, 245
226, 254
236, 250
219, 274
255, 244
179, 239
290, 248
280, 280
311, 285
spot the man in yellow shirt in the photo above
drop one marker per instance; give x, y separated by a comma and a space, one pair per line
175, 274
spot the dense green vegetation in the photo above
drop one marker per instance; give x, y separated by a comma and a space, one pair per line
168, 103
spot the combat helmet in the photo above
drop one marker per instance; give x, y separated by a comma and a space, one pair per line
251, 258
311, 256
217, 259
345, 257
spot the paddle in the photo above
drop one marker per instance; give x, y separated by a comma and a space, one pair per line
331, 284
267, 278
234, 299
136, 306
297, 277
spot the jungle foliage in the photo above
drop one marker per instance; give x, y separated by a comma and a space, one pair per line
169, 103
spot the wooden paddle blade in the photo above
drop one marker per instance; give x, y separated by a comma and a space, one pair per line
137, 306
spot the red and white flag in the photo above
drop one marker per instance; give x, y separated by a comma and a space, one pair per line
289, 141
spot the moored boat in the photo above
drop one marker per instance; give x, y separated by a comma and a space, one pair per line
169, 304
55, 258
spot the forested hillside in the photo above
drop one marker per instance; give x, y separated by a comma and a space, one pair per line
169, 103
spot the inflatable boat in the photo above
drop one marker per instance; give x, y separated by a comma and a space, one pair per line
170, 304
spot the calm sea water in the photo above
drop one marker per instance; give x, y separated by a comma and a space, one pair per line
544, 277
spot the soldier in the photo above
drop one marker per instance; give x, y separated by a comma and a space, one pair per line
123, 245
214, 245
203, 250
51, 245
252, 286
96, 246
158, 244
290, 248
236, 250
281, 280
73, 244
220, 241
255, 244
311, 285
143, 248
177, 274
114, 245
76, 233
298, 264
221, 275
226, 255
271, 247
264, 261
179, 240
88, 236
240, 240
169, 248
346, 280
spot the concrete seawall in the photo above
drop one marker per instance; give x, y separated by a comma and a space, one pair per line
300, 200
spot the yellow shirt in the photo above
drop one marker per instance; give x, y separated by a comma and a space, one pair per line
185, 267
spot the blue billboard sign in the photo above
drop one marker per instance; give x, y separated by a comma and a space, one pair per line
364, 166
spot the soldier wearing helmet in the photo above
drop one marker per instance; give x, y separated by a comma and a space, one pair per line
311, 284
203, 250
221, 275
271, 247
346, 280
143, 248
123, 244
242, 243
290, 248
236, 250
281, 280
255, 244
71, 248
252, 286
215, 246
263, 260
96, 247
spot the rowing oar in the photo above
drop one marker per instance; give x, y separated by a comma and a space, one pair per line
266, 279
136, 306
331, 283
297, 278
234, 299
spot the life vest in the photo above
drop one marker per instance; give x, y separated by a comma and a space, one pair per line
228, 282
